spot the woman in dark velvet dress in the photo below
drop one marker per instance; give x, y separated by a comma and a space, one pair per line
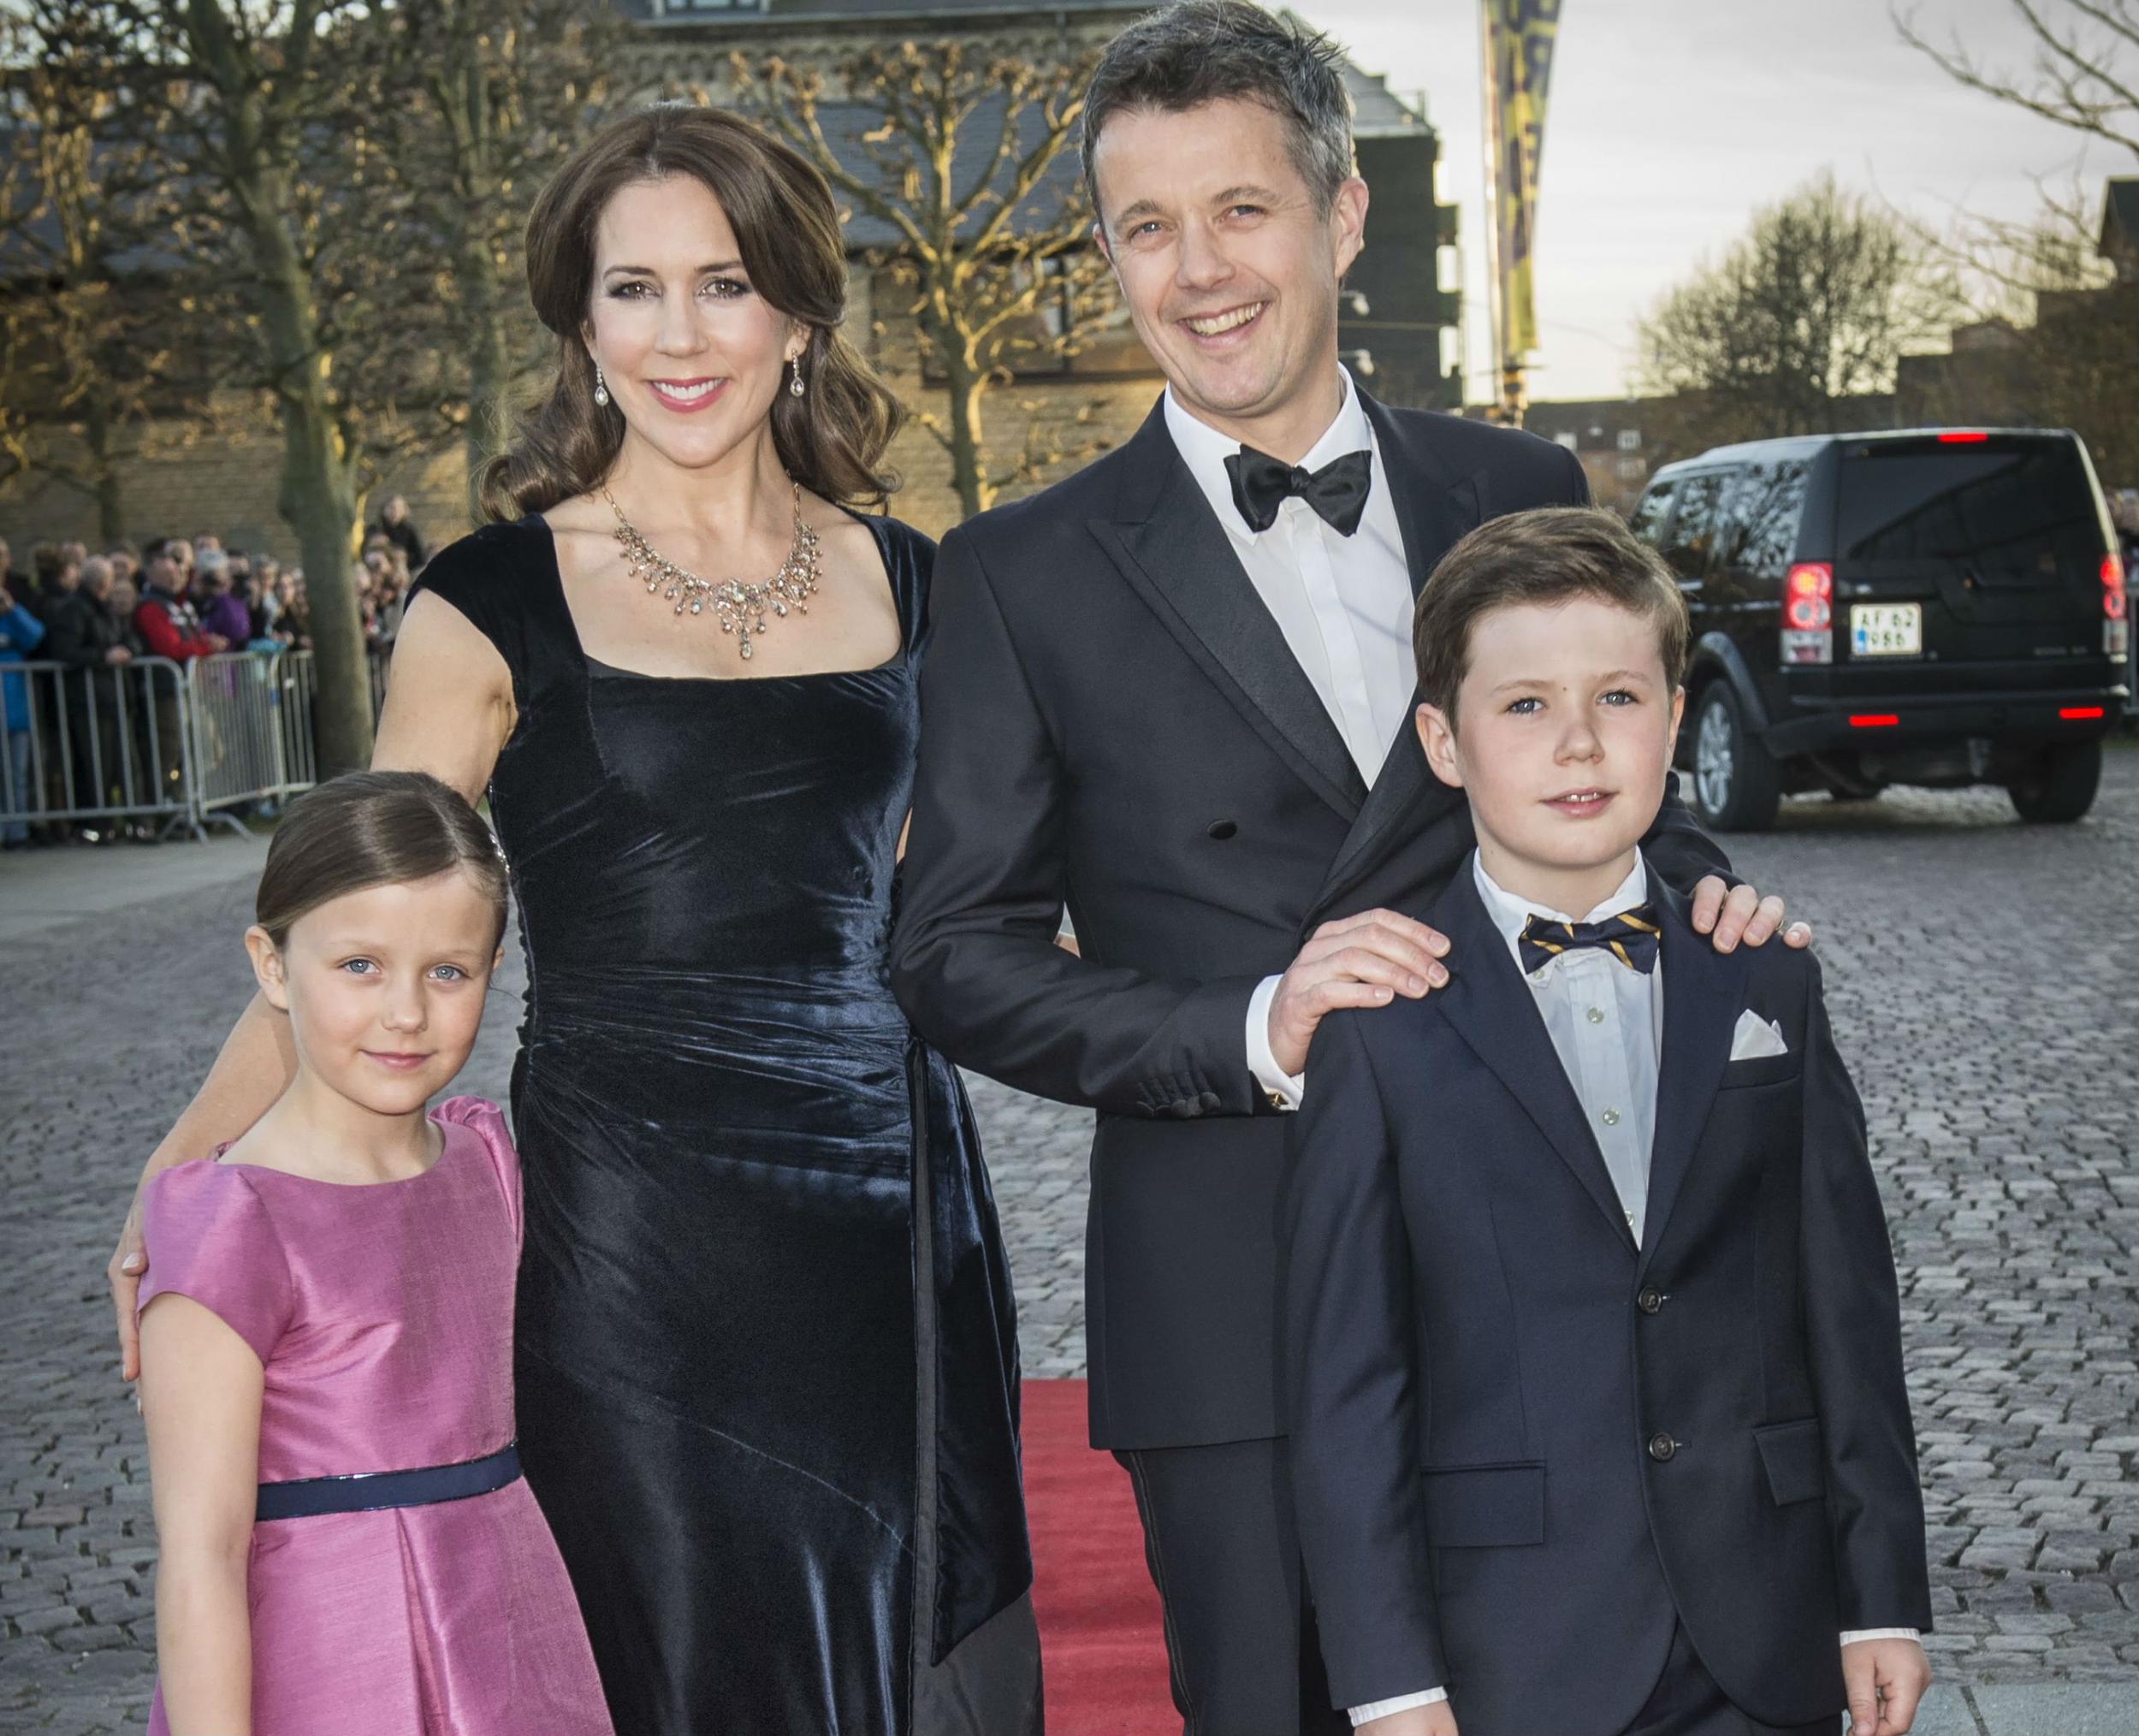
767, 1357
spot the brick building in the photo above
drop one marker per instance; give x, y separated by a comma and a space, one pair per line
1397, 324
1613, 437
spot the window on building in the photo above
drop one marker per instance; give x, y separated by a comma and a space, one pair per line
1630, 440
1632, 470
1569, 439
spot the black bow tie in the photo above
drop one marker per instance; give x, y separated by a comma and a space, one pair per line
1337, 492
1630, 936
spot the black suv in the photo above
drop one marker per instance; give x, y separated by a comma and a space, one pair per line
1942, 606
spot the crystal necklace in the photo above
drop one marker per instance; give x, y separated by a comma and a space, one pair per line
740, 608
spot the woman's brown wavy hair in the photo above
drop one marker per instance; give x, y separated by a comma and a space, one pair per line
831, 440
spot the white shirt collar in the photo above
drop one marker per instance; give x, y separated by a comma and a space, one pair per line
1204, 450
1510, 913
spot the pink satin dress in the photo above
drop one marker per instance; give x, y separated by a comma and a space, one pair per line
382, 1316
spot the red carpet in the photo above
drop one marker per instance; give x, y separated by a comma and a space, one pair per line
1099, 1630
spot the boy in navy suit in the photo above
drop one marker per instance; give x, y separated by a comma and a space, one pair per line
1594, 1358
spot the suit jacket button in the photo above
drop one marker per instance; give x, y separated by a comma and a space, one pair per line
1221, 829
1661, 1447
1649, 1301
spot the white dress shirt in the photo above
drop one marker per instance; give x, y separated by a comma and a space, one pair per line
1343, 604
1606, 1023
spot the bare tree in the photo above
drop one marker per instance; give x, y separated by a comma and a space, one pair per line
94, 365
1798, 322
2071, 355
2085, 71
2057, 333
962, 155
236, 98
344, 185
470, 105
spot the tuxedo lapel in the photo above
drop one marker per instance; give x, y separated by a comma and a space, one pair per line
1435, 509
1171, 549
1491, 1007
1703, 993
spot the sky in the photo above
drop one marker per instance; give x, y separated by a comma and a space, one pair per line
1672, 120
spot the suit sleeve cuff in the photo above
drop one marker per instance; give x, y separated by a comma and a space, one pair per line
1857, 1633
1283, 1089
1389, 1709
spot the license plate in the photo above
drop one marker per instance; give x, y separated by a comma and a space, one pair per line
1886, 630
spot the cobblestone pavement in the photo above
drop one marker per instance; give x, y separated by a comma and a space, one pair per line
1984, 979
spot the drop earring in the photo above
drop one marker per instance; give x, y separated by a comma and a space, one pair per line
601, 387
795, 386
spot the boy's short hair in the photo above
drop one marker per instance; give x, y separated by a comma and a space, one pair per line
1552, 554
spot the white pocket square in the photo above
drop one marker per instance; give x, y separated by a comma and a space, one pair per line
1756, 1037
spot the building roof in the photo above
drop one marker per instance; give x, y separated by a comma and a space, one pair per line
776, 12
1376, 109
2120, 216
1595, 423
1378, 112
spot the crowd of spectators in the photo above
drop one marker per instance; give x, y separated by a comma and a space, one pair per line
176, 598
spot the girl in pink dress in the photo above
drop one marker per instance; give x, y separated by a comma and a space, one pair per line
348, 1549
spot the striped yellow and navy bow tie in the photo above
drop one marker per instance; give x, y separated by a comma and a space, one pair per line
1630, 936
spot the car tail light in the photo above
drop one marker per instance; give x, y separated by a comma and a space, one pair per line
1963, 436
1808, 596
2079, 713
2114, 598
1808, 613
1874, 719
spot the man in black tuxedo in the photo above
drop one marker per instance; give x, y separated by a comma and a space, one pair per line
1599, 1424
1173, 695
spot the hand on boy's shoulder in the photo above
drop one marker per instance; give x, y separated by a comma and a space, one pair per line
1733, 916
1363, 960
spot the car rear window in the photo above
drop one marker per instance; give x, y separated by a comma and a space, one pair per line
2015, 511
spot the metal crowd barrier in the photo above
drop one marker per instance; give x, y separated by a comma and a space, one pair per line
110, 743
153, 742
253, 730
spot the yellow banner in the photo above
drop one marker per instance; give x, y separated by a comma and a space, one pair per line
1520, 37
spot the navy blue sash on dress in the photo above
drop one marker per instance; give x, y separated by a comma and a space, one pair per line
368, 1492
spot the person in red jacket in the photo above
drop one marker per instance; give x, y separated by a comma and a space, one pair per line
169, 629
164, 618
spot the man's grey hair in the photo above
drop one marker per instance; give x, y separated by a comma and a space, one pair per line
1214, 50
96, 572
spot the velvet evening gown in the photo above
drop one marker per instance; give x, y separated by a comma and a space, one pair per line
766, 1349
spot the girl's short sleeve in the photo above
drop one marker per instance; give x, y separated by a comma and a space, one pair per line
486, 1122
209, 1238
